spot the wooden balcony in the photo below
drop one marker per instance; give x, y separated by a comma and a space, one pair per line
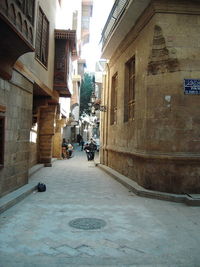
16, 31
65, 50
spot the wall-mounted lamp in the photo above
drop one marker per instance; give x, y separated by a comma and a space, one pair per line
95, 104
93, 98
103, 108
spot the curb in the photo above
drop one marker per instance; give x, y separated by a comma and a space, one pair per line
19, 194
16, 196
142, 192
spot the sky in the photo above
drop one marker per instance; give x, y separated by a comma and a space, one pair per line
101, 9
92, 51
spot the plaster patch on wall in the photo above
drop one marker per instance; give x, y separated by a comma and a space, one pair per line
168, 98
161, 59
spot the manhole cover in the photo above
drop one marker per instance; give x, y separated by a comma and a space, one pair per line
87, 223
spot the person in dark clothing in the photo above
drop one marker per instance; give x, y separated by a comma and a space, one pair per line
64, 149
87, 150
79, 138
82, 144
90, 149
93, 148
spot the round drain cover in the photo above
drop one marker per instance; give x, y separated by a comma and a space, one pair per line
87, 223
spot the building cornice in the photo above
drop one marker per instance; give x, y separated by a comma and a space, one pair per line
153, 8
152, 155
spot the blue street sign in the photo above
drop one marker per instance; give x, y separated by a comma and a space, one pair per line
192, 87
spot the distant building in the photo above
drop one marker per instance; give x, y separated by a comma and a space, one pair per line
87, 8
82, 12
151, 127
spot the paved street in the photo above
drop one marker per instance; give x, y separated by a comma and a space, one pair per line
133, 231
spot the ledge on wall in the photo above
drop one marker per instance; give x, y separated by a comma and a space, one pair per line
190, 200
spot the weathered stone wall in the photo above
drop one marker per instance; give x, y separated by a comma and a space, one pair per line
57, 138
33, 154
16, 96
46, 133
160, 147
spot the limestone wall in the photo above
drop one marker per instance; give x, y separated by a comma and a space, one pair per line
160, 147
16, 96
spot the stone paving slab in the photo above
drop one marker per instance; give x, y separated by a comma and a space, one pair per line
138, 231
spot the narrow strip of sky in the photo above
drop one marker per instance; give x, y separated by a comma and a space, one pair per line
92, 51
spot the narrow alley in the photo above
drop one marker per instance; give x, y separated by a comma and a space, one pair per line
115, 227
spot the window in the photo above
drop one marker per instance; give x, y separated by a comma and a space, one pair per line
2, 130
113, 110
42, 38
129, 92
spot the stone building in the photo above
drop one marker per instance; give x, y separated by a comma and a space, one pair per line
34, 77
150, 131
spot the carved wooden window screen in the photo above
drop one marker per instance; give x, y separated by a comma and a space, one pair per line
42, 38
114, 89
129, 97
2, 136
28, 8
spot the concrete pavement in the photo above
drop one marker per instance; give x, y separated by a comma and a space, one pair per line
136, 231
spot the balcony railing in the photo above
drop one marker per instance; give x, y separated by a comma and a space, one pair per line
16, 31
117, 11
20, 16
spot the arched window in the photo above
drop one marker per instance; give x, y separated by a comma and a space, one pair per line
19, 22
25, 29
30, 35
5, 6
12, 14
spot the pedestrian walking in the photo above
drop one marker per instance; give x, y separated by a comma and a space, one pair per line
90, 149
79, 138
82, 144
87, 150
93, 148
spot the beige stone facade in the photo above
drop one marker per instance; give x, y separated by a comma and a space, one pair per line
30, 113
18, 113
159, 145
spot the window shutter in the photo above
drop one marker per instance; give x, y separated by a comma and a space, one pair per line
42, 38
45, 38
113, 113
39, 35
2, 119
